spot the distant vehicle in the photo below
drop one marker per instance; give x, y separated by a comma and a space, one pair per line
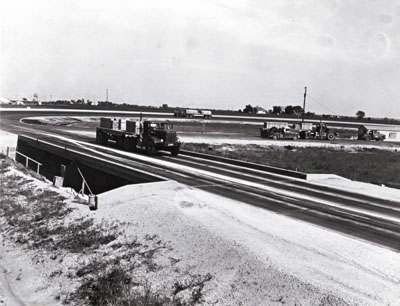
148, 135
280, 133
206, 114
365, 134
321, 131
191, 113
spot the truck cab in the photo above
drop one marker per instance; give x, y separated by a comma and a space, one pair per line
159, 135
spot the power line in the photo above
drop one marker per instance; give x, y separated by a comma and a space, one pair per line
315, 100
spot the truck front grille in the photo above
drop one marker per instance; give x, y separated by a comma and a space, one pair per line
170, 137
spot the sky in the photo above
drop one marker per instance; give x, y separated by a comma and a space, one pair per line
219, 54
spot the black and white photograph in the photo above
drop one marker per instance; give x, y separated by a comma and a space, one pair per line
187, 152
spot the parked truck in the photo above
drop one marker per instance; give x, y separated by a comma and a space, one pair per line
147, 135
207, 114
320, 131
280, 130
366, 134
191, 113
280, 133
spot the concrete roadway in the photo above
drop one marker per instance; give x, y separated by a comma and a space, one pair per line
368, 218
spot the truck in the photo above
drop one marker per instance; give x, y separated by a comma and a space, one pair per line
191, 113
320, 131
131, 135
366, 134
280, 133
207, 114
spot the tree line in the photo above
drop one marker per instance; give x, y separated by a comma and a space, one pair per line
276, 110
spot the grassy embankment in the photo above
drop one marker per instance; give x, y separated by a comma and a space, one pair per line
111, 272
365, 165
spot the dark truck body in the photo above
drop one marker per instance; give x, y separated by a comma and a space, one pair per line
321, 131
280, 133
366, 134
148, 135
279, 130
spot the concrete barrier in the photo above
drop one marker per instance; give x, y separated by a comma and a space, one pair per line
8, 143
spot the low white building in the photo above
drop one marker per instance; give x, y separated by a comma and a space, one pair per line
4, 101
391, 135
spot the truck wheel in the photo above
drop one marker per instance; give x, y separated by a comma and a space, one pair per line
150, 148
294, 137
330, 136
101, 138
274, 137
175, 151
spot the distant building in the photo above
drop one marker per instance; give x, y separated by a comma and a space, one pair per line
260, 110
4, 101
391, 135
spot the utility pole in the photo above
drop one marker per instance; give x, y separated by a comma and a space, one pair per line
106, 95
304, 106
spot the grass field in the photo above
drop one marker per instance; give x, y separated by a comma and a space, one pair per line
365, 165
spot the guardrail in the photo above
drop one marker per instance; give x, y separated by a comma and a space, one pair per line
27, 159
275, 170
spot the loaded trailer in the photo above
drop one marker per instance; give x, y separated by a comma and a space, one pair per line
191, 113
130, 135
283, 130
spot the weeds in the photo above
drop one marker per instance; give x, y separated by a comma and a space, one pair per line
114, 287
108, 282
194, 284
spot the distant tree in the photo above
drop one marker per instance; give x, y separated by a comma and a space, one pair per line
297, 109
248, 109
289, 110
239, 110
165, 105
277, 110
360, 114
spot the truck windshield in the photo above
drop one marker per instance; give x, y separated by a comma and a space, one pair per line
161, 125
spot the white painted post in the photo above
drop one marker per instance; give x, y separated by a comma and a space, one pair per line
26, 163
